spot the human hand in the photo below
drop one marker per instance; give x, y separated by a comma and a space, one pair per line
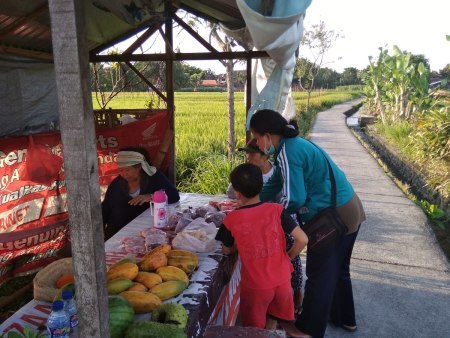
141, 199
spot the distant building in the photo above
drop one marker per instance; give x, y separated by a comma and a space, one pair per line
209, 83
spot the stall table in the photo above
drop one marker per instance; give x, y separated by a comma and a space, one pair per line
199, 298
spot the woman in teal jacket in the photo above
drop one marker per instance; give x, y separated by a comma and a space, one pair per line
302, 176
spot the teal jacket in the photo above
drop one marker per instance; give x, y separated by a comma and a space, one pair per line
303, 178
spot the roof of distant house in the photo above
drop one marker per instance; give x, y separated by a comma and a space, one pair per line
209, 83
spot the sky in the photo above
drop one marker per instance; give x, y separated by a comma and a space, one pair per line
416, 27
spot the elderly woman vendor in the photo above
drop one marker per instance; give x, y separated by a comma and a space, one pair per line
130, 193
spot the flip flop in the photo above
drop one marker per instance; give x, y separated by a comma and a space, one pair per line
349, 328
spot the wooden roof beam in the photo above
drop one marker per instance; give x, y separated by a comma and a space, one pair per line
181, 56
32, 54
187, 28
144, 37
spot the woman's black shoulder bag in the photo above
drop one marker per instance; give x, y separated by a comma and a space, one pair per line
326, 228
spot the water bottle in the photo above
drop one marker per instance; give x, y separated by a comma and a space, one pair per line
58, 325
71, 308
159, 209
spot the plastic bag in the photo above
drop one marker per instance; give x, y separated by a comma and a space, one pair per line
198, 236
42, 166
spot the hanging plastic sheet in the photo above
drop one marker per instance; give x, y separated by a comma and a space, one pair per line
279, 33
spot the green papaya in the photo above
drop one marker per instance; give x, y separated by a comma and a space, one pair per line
118, 285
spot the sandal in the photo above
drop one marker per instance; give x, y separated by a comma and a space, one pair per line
297, 310
349, 328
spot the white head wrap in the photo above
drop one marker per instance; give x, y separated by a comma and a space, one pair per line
130, 158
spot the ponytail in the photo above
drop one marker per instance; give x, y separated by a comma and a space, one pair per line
269, 121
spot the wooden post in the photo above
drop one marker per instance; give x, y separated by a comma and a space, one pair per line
80, 164
248, 96
168, 10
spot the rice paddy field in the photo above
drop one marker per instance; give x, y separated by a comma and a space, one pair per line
201, 132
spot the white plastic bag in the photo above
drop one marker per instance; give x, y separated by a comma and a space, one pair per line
197, 236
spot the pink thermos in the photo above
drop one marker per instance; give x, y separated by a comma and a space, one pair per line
159, 209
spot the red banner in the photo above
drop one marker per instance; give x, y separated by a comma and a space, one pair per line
33, 206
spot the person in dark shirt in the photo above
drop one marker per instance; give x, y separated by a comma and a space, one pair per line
130, 193
256, 230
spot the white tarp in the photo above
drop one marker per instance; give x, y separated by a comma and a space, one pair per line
279, 35
28, 99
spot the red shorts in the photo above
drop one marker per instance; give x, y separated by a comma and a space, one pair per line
256, 304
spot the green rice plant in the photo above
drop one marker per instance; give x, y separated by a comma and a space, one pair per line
211, 174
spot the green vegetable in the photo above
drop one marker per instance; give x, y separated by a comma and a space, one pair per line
147, 329
121, 316
171, 313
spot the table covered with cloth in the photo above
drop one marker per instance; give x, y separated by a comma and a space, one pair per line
199, 298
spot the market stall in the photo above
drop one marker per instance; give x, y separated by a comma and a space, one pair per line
199, 298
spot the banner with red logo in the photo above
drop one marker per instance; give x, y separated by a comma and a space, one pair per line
33, 204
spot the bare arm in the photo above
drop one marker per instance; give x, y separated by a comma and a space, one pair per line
300, 242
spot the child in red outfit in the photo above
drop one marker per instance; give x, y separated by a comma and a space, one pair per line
256, 230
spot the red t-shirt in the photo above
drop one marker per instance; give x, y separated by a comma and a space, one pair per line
261, 244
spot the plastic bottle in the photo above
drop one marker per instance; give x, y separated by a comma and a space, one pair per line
159, 209
71, 308
58, 325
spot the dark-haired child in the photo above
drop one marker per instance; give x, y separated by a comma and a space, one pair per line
256, 230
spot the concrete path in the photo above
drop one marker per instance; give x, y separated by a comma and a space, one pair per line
401, 278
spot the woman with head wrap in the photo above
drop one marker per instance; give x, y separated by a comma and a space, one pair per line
130, 193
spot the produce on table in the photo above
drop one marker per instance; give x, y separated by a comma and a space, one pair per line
149, 279
148, 329
185, 260
138, 287
169, 273
44, 283
153, 261
172, 313
168, 289
65, 279
121, 316
146, 290
123, 260
142, 302
118, 285
126, 270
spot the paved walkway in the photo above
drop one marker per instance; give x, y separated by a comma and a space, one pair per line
401, 278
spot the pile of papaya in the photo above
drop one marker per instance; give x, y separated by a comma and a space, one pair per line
160, 275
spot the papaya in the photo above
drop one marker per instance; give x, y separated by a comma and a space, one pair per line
153, 262
118, 285
168, 273
125, 270
185, 263
183, 253
164, 248
168, 289
142, 302
138, 287
149, 279
123, 260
